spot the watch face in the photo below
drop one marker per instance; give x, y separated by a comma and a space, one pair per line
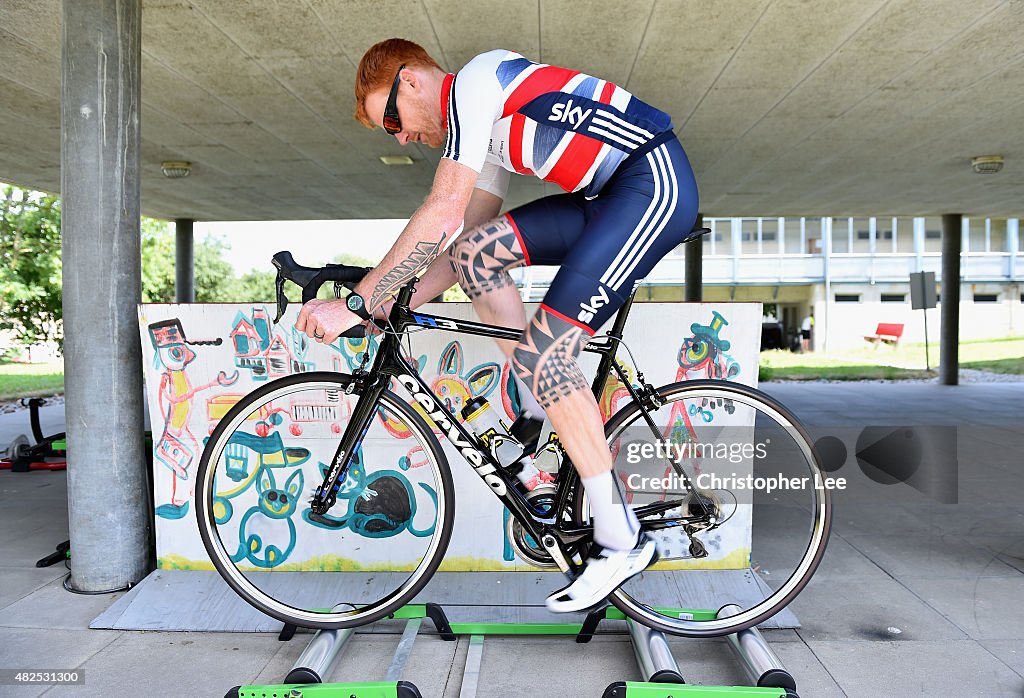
355, 302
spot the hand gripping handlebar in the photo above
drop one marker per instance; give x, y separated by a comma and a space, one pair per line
310, 279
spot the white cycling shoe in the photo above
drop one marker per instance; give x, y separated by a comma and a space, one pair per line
605, 570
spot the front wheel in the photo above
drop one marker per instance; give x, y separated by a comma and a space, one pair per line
752, 514
388, 530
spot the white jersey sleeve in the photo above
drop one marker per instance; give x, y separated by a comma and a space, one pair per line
494, 179
474, 104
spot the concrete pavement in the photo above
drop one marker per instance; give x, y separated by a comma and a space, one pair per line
914, 597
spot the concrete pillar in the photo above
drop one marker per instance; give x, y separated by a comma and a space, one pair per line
109, 503
693, 260
184, 261
949, 339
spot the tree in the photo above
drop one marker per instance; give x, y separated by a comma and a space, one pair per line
215, 280
30, 266
157, 261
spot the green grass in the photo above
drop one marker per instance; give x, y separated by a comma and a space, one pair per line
885, 362
26, 380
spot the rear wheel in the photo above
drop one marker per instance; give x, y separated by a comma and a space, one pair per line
388, 530
752, 466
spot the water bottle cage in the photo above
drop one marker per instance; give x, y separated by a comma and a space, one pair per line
493, 440
553, 446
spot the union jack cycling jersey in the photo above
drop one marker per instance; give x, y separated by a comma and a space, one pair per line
506, 113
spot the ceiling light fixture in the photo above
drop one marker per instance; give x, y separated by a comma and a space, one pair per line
176, 169
396, 159
987, 164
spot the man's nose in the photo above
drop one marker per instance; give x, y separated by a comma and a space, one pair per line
402, 137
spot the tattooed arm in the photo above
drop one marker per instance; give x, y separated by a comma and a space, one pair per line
430, 230
439, 276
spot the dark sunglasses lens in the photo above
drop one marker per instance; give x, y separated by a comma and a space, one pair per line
391, 124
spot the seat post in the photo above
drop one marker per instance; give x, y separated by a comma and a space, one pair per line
620, 317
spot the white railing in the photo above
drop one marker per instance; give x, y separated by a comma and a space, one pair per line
795, 269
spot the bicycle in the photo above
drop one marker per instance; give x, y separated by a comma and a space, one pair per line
356, 419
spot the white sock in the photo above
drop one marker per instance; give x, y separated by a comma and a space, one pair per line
527, 402
615, 525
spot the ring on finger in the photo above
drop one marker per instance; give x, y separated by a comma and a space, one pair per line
316, 335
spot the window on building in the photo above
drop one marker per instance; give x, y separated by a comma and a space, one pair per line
894, 297
998, 241
794, 245
932, 234
986, 297
847, 298
975, 235
841, 228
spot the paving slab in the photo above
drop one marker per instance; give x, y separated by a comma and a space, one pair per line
16, 583
42, 649
865, 610
917, 668
812, 678
935, 554
173, 664
841, 560
1010, 652
52, 606
985, 608
970, 519
33, 544
1009, 549
557, 666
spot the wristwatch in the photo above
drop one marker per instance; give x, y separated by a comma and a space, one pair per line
356, 305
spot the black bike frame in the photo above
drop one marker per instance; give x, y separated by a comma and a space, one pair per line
389, 363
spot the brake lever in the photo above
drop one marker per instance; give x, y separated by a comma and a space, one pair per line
282, 300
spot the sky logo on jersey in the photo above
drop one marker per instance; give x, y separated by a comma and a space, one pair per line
587, 311
566, 112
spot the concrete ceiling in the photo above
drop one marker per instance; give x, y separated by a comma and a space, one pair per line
786, 107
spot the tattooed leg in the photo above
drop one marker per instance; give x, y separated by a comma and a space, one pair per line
483, 256
545, 360
481, 259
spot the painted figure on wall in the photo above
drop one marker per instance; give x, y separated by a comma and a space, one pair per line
177, 448
263, 351
381, 504
266, 536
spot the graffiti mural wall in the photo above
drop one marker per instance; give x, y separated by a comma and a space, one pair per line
200, 360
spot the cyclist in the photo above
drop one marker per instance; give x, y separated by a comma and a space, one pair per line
630, 199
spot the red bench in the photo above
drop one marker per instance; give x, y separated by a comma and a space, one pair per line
886, 332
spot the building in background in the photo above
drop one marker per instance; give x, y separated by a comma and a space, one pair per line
850, 273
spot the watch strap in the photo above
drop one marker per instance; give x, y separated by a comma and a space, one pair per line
361, 312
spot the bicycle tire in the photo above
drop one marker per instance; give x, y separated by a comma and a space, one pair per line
644, 614
206, 491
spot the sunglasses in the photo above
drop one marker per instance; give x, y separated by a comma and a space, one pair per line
392, 122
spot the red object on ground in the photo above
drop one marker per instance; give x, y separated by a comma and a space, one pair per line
53, 465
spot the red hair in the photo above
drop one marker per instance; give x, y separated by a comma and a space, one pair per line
378, 67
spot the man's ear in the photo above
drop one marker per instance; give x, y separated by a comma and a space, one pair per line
410, 77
